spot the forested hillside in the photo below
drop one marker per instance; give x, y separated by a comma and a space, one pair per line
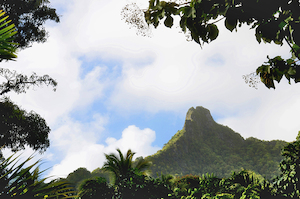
204, 146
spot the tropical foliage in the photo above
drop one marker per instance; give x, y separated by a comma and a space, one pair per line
239, 185
78, 176
135, 185
81, 174
18, 181
20, 128
119, 165
289, 180
7, 31
95, 188
29, 18
277, 21
243, 184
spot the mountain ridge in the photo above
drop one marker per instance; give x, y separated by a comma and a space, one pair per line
204, 146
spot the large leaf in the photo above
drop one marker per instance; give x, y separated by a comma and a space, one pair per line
7, 31
17, 181
169, 21
230, 23
213, 32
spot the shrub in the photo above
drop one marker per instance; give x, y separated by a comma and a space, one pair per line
95, 188
135, 185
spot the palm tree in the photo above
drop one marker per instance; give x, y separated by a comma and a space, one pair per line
168, 180
119, 165
7, 30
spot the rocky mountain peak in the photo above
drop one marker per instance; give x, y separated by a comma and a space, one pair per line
197, 118
199, 113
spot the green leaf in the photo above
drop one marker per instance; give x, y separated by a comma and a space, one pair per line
282, 24
258, 37
195, 37
183, 23
213, 32
162, 3
190, 12
230, 23
291, 71
151, 4
278, 42
193, 14
161, 14
277, 74
169, 21
4, 18
155, 21
296, 48
1, 13
7, 49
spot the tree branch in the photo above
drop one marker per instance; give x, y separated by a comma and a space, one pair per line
20, 83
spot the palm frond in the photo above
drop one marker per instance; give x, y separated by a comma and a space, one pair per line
7, 31
18, 180
119, 165
143, 164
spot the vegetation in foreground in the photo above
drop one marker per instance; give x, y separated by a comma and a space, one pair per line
129, 180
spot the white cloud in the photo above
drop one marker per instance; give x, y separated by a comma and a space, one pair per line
72, 91
90, 157
79, 147
274, 116
136, 139
74, 144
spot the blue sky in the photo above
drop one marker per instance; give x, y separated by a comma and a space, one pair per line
120, 90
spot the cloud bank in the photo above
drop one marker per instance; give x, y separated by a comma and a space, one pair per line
82, 150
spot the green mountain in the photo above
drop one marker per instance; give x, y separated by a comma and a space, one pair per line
204, 146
